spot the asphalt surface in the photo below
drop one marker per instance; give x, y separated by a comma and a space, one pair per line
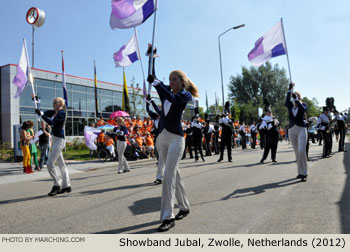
239, 197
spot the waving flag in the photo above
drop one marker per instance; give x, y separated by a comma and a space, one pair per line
130, 13
90, 135
22, 72
271, 44
127, 54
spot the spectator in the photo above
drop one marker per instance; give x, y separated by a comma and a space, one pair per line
44, 144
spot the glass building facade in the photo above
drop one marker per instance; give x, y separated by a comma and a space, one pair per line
81, 100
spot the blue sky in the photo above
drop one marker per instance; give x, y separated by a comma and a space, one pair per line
317, 34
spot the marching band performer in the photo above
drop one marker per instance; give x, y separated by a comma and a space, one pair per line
226, 136
297, 131
271, 135
171, 143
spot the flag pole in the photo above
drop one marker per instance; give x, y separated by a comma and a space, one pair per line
30, 72
290, 74
285, 42
143, 72
150, 65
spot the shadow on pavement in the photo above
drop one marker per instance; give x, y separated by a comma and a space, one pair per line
344, 203
11, 171
146, 206
249, 191
239, 166
128, 229
90, 192
22, 199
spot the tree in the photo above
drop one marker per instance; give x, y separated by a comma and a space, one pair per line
248, 90
312, 107
135, 98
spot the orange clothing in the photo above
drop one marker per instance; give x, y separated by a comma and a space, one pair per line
139, 122
101, 137
100, 123
108, 142
111, 121
149, 141
139, 140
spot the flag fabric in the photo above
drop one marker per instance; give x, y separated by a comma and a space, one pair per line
22, 72
125, 99
64, 83
131, 13
271, 44
90, 135
127, 54
95, 81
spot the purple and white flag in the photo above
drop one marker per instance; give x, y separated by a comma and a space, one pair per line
22, 72
90, 135
271, 44
127, 54
130, 13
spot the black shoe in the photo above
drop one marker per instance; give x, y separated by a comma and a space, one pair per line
299, 176
203, 159
230, 160
303, 178
67, 190
157, 181
54, 191
182, 214
262, 161
220, 159
166, 225
274, 161
126, 171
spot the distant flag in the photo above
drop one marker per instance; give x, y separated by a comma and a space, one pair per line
64, 82
144, 89
131, 13
23, 73
125, 99
271, 44
127, 54
95, 81
206, 100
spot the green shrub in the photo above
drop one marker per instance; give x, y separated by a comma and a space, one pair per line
6, 153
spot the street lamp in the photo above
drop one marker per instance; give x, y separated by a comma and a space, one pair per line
222, 82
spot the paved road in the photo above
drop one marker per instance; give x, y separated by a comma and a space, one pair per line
239, 197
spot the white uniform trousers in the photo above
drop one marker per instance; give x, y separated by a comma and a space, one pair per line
171, 150
111, 150
56, 155
160, 168
298, 138
122, 163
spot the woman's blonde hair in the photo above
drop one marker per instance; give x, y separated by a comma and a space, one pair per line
121, 120
61, 100
188, 84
